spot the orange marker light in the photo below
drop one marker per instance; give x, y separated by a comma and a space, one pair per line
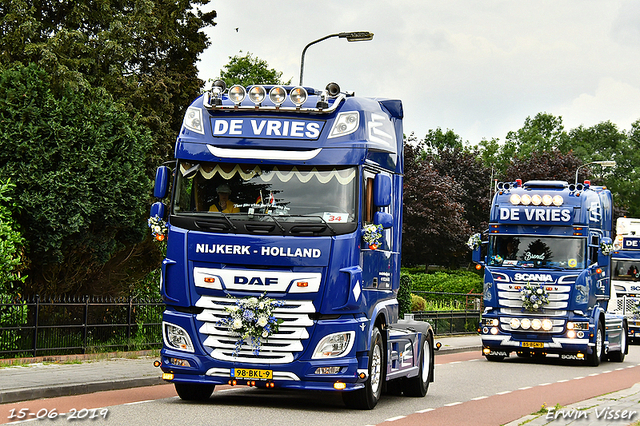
302, 284
209, 280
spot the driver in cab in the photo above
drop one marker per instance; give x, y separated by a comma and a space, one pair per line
224, 204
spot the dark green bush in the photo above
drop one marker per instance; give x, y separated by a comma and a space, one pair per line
404, 294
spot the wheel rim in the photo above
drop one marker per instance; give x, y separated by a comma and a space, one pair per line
376, 370
623, 340
426, 361
599, 343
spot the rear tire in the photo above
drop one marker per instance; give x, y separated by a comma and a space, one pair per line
367, 398
419, 385
595, 357
624, 347
194, 391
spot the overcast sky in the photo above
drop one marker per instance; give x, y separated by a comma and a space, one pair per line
476, 67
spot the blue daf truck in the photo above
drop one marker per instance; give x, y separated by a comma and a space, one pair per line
547, 276
283, 237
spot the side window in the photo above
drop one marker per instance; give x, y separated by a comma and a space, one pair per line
367, 203
593, 248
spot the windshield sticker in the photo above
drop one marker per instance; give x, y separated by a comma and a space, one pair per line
510, 263
573, 263
335, 217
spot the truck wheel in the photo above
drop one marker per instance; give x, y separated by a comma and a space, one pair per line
494, 358
596, 356
367, 398
619, 356
194, 391
419, 385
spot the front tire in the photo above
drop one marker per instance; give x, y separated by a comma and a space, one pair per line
367, 398
624, 347
595, 357
419, 385
194, 391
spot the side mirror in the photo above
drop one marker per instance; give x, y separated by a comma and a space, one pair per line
384, 219
157, 209
162, 182
382, 190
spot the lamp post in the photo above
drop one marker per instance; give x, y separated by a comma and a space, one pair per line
603, 163
350, 36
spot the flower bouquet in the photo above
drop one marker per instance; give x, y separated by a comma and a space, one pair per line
252, 320
158, 228
372, 235
606, 249
534, 297
474, 242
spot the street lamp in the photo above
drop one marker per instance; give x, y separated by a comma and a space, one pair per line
603, 163
350, 36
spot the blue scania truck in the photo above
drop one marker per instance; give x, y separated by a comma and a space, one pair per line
547, 276
625, 267
285, 217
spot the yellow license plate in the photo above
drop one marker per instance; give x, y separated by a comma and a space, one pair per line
532, 345
252, 373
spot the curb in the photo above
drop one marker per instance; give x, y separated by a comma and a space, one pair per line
443, 350
20, 395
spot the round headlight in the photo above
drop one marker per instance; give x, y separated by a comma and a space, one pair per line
525, 323
257, 94
237, 94
526, 199
494, 322
547, 325
515, 199
557, 200
570, 326
536, 324
536, 200
547, 200
298, 95
278, 95
514, 323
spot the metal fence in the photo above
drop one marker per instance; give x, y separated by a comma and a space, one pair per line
37, 326
463, 319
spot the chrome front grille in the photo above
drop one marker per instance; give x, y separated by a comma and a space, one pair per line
510, 300
277, 349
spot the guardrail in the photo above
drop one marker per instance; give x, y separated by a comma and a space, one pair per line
38, 326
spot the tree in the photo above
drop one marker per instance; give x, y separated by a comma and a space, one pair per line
248, 69
143, 52
434, 228
544, 166
77, 163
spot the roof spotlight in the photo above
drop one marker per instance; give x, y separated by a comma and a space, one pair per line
515, 199
557, 200
536, 200
278, 95
237, 94
257, 94
547, 200
526, 199
333, 89
298, 95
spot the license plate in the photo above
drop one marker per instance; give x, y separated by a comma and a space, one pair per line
252, 373
532, 344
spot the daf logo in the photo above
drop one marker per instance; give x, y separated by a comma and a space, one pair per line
238, 279
533, 277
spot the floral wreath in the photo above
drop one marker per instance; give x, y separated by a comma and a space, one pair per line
606, 249
474, 242
252, 320
158, 228
534, 297
372, 235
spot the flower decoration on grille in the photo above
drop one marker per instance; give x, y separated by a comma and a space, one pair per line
252, 321
474, 242
606, 249
372, 236
534, 297
158, 228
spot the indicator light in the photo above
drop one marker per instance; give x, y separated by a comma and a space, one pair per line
167, 376
339, 385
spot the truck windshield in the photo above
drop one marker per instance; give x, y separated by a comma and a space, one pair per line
626, 270
244, 191
537, 252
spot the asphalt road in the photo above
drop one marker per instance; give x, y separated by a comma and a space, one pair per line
468, 390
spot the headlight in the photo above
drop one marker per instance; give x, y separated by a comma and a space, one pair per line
193, 120
346, 123
557, 200
536, 324
526, 199
536, 200
514, 199
547, 200
547, 325
525, 323
177, 337
334, 345
514, 323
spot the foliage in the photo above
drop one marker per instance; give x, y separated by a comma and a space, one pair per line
455, 281
248, 70
82, 188
417, 303
404, 294
545, 165
11, 245
143, 52
434, 227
